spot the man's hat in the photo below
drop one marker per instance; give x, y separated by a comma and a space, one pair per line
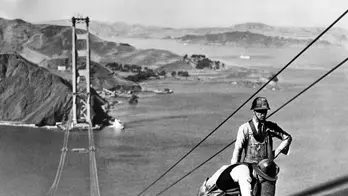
260, 103
267, 169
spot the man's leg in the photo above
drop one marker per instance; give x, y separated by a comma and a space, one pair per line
241, 174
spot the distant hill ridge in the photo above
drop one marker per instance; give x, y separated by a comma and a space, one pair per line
247, 39
335, 36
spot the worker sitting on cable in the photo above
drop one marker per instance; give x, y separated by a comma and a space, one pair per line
242, 178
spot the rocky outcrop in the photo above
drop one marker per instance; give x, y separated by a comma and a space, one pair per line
33, 95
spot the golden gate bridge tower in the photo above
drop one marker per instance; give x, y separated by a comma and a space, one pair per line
81, 109
81, 76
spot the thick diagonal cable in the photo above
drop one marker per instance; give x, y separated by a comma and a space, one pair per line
263, 86
304, 90
94, 181
61, 163
200, 165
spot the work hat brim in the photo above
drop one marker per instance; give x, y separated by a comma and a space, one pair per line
260, 109
262, 174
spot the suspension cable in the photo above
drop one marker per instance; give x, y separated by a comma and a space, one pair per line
61, 164
94, 181
228, 145
304, 90
223, 122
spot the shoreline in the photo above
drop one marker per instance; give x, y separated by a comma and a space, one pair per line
148, 87
21, 124
49, 127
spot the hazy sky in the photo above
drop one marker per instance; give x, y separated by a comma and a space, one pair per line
183, 13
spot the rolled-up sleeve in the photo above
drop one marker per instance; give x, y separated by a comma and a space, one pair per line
276, 131
239, 144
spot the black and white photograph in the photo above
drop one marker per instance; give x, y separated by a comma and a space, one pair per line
173, 98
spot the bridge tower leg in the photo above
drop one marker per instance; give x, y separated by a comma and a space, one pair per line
81, 76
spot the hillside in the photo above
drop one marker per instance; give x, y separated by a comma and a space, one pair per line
45, 41
246, 39
177, 65
56, 41
51, 40
33, 95
148, 57
101, 77
14, 33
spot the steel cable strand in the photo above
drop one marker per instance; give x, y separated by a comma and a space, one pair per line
274, 76
304, 90
64, 150
95, 190
196, 168
94, 184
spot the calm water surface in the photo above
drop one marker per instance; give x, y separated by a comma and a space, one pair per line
162, 128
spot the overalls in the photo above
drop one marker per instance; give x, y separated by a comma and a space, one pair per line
259, 145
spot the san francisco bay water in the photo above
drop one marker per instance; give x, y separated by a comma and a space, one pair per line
160, 129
